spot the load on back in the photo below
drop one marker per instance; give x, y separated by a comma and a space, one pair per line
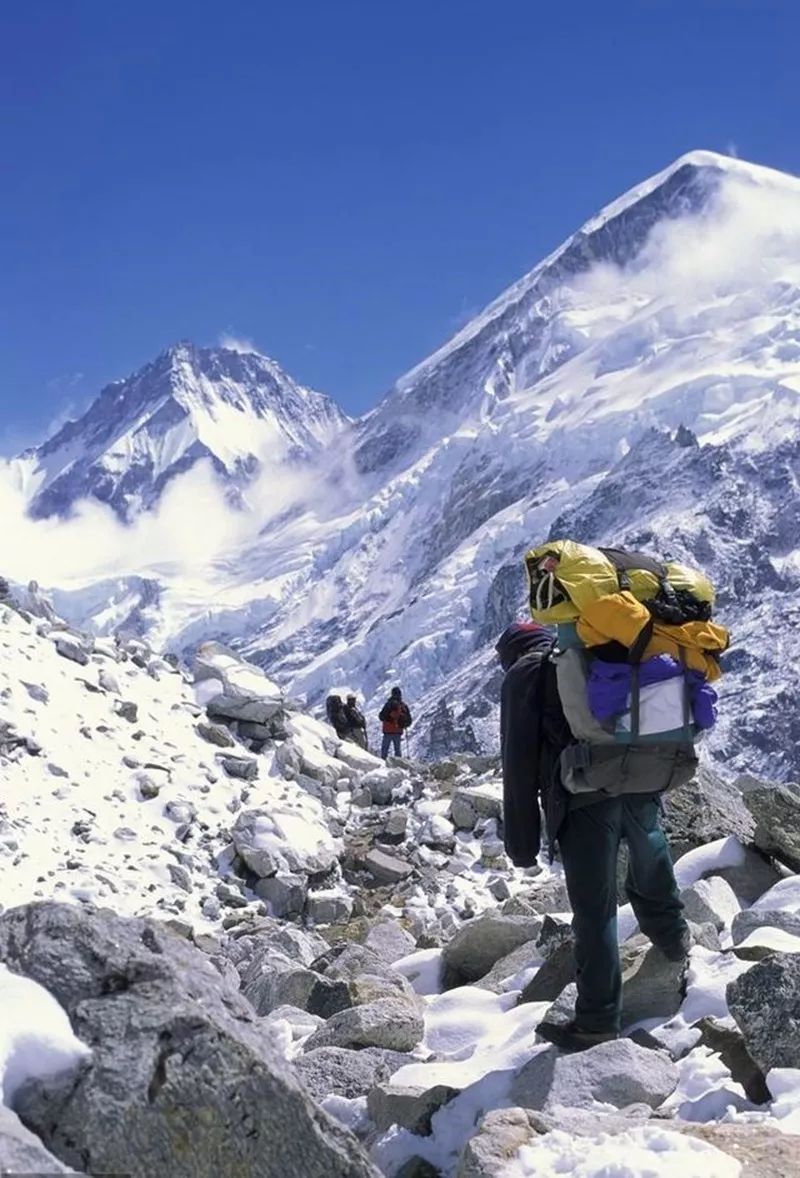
636, 657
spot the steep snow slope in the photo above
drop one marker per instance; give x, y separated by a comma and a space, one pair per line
641, 385
236, 409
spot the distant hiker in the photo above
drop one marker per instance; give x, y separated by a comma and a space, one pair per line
356, 722
35, 602
395, 718
334, 709
588, 828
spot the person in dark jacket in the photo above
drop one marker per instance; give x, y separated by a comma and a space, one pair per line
334, 709
588, 830
356, 723
395, 718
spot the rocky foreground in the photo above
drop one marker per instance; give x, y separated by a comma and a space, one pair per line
264, 952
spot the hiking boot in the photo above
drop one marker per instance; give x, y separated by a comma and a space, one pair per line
678, 950
572, 1037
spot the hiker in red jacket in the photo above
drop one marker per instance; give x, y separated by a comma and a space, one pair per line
395, 718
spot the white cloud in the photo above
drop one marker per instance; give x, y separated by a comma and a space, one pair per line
235, 343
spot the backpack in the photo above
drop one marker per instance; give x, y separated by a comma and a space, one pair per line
648, 745
564, 577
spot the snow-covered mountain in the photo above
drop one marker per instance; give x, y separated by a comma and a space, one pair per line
234, 408
640, 386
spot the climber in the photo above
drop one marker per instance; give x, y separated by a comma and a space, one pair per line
334, 710
356, 723
588, 829
395, 718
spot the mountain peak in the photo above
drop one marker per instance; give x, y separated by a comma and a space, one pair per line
191, 402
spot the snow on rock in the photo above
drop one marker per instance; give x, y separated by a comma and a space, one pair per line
36, 1039
651, 1150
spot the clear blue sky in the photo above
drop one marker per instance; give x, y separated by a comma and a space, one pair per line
341, 181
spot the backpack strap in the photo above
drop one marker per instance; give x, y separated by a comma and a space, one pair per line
635, 653
687, 703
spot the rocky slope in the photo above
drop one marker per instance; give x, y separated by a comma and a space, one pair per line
206, 881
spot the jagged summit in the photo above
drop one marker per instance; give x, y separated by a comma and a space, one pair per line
229, 406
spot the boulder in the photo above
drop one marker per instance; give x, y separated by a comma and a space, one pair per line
751, 919
363, 974
765, 1002
710, 901
328, 907
762, 1152
75, 649
389, 941
385, 868
524, 958
266, 841
729, 1044
481, 942
216, 734
706, 809
252, 944
503, 1132
619, 1073
392, 1023
410, 1107
381, 783
243, 768
751, 878
250, 709
284, 892
776, 810
23, 1153
471, 802
548, 896
341, 1071
182, 1081
557, 969
279, 982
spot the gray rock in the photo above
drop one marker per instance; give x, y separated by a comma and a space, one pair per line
765, 1002
729, 1044
148, 789
385, 868
710, 900
389, 941
481, 942
182, 1081
502, 1134
556, 972
409, 1107
619, 1073
279, 982
381, 784
285, 893
390, 1022
126, 709
652, 986
708, 808
216, 734
525, 956
73, 649
23, 1153
341, 1071
469, 803
746, 922
366, 977
252, 945
328, 907
243, 768
752, 878
776, 810
546, 897
250, 708
417, 1167
253, 839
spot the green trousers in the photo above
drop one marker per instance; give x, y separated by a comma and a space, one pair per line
589, 842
